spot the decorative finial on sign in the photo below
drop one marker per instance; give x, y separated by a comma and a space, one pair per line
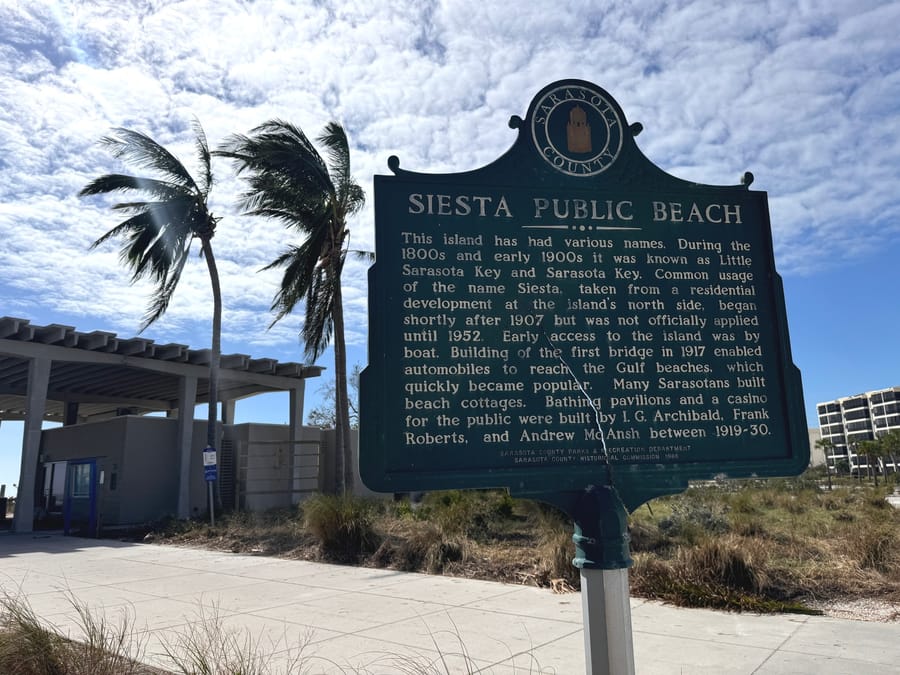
635, 128
747, 179
515, 122
393, 163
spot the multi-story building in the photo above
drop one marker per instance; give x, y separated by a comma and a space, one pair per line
851, 419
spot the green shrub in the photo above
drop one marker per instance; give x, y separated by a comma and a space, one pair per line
748, 525
876, 498
468, 513
645, 535
744, 502
401, 509
691, 521
342, 524
502, 504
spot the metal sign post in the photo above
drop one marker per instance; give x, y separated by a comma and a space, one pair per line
606, 610
602, 554
210, 473
601, 540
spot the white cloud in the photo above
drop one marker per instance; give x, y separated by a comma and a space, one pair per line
804, 95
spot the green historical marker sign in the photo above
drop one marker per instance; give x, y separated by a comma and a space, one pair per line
572, 315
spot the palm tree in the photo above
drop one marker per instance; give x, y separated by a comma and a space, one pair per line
288, 180
827, 448
890, 446
869, 449
160, 228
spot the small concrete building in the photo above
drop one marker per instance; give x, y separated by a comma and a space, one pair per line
112, 465
123, 472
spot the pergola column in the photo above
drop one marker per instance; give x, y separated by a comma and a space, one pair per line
187, 399
36, 404
296, 413
228, 406
295, 425
71, 414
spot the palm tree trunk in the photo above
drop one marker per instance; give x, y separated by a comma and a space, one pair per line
344, 455
216, 350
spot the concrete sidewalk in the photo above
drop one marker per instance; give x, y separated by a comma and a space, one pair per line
358, 620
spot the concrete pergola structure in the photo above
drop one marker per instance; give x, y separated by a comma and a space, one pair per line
56, 373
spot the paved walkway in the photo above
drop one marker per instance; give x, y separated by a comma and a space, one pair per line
358, 620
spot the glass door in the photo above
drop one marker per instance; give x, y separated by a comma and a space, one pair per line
80, 510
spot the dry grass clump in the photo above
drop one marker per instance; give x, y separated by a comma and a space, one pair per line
554, 549
555, 552
746, 525
413, 546
27, 647
207, 646
726, 573
875, 546
274, 532
342, 524
481, 534
730, 561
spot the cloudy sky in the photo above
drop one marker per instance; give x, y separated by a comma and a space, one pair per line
805, 95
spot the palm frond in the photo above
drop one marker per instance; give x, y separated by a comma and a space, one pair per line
281, 151
164, 291
154, 239
185, 209
274, 154
117, 182
301, 265
141, 231
295, 206
334, 138
140, 150
355, 199
206, 177
318, 322
350, 195
287, 142
123, 228
144, 252
156, 260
